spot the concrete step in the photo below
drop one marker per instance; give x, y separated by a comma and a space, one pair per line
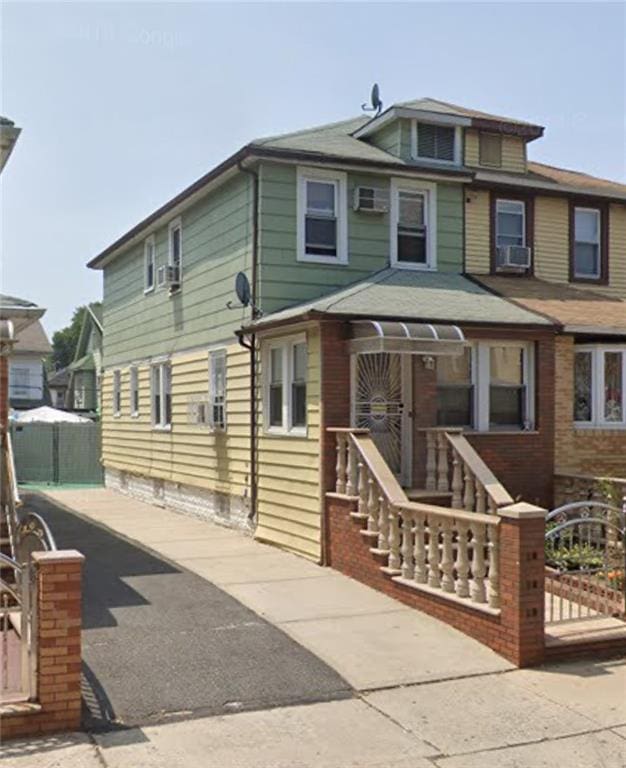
442, 498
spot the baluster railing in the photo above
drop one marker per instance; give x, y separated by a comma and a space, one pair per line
342, 462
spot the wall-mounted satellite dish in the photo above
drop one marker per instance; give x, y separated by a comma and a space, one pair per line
242, 289
376, 103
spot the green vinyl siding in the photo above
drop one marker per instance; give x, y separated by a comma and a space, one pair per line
388, 138
216, 244
285, 281
405, 139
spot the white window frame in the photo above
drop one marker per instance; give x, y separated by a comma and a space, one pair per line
176, 223
598, 352
458, 140
429, 190
286, 344
339, 179
149, 246
214, 355
159, 422
117, 393
598, 274
134, 390
522, 203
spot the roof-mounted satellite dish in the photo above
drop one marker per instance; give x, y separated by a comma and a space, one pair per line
376, 103
242, 289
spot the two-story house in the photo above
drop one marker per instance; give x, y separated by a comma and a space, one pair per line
410, 272
27, 381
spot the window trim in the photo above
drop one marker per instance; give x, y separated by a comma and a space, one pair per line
160, 425
340, 179
286, 344
598, 352
149, 242
429, 190
529, 226
117, 393
133, 376
176, 223
213, 354
603, 209
458, 136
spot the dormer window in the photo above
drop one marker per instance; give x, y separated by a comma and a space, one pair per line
490, 149
436, 143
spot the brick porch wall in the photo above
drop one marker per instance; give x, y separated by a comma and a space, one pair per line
58, 703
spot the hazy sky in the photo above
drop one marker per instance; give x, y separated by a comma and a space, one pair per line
122, 105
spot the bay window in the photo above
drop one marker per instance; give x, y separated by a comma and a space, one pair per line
285, 386
322, 211
599, 391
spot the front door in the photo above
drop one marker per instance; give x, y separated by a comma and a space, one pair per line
381, 391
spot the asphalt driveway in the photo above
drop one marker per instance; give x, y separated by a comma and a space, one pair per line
161, 643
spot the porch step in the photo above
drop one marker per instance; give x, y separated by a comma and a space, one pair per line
424, 495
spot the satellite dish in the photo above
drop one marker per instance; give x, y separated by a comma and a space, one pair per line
242, 288
376, 103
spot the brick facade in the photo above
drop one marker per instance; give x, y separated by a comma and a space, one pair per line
58, 702
600, 452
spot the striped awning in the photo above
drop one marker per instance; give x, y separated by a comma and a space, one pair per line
407, 338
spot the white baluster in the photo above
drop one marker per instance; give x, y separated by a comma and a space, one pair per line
462, 560
443, 483
457, 480
363, 488
372, 505
408, 567
421, 573
447, 563
394, 538
352, 470
478, 562
340, 485
383, 523
431, 462
494, 566
434, 579
481, 498
493, 507
468, 496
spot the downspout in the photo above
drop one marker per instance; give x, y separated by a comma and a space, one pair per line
251, 345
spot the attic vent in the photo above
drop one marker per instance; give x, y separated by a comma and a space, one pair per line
435, 142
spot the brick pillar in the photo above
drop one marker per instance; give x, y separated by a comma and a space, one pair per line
522, 574
58, 643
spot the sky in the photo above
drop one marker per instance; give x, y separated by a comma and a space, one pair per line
122, 105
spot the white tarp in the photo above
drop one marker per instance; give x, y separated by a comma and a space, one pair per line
47, 415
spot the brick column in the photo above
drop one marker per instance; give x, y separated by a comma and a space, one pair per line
522, 574
58, 643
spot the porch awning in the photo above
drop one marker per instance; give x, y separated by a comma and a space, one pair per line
406, 338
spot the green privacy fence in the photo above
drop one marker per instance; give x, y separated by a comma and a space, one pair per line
57, 453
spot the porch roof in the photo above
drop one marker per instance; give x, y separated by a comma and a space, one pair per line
410, 295
579, 311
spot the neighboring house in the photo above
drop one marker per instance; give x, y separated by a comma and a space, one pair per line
83, 391
9, 134
408, 272
58, 382
27, 379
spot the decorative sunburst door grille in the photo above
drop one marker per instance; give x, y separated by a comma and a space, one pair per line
378, 403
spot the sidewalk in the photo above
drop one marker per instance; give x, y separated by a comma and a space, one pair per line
424, 694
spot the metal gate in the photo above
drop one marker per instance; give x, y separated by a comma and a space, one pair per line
378, 403
585, 565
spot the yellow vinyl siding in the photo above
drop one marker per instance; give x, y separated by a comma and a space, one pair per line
288, 473
191, 454
617, 250
477, 233
551, 256
513, 153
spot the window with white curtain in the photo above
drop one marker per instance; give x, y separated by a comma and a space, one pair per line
599, 386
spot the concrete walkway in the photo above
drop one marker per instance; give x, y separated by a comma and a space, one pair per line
424, 694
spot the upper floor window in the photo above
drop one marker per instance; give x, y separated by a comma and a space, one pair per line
285, 385
587, 244
176, 251
413, 222
511, 234
322, 211
438, 143
149, 260
161, 395
490, 149
510, 223
599, 386
117, 392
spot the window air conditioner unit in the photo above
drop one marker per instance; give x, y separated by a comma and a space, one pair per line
168, 276
513, 257
371, 199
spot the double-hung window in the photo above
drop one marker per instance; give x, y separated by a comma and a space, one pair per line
134, 391
217, 389
117, 392
285, 385
600, 386
322, 211
507, 387
455, 390
161, 395
176, 251
149, 261
510, 223
413, 225
586, 248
